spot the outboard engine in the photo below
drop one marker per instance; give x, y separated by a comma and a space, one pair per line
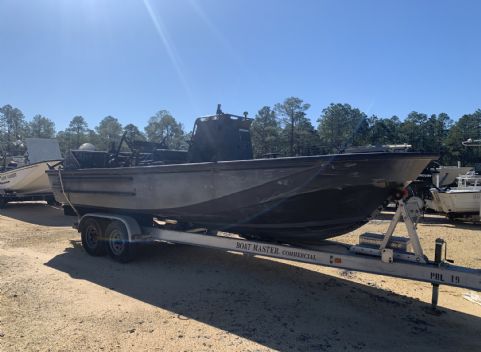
221, 137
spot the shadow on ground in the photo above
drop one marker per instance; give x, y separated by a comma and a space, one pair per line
280, 306
38, 213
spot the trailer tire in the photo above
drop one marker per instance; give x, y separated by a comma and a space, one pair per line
118, 244
93, 239
452, 217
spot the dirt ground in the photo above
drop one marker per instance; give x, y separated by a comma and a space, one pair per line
54, 297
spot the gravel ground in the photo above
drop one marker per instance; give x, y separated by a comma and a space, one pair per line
54, 297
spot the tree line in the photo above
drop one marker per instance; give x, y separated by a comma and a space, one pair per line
283, 129
162, 127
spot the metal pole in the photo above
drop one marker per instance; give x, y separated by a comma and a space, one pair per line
438, 253
435, 296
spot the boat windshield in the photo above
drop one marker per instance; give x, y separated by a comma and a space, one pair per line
469, 180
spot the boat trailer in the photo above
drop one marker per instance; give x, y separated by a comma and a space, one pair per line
376, 253
6, 197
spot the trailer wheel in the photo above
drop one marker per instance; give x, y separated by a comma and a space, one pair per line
452, 217
119, 246
92, 237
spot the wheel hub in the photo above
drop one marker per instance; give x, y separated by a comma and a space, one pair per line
116, 242
91, 237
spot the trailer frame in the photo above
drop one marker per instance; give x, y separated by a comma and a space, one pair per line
7, 197
381, 254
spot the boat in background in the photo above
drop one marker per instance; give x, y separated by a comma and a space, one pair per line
472, 143
462, 201
24, 177
217, 185
443, 176
435, 176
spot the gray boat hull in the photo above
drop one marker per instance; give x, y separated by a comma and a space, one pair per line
285, 198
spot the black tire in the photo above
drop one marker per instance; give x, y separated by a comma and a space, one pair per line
118, 244
3, 202
93, 239
452, 217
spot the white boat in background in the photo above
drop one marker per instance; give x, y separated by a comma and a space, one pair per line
464, 201
461, 202
472, 143
24, 177
446, 175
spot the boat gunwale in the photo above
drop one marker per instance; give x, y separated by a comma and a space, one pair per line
28, 166
250, 164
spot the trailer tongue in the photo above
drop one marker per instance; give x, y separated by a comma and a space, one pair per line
382, 254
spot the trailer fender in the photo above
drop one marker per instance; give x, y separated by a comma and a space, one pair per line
133, 229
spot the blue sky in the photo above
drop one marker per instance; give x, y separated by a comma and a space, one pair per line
131, 58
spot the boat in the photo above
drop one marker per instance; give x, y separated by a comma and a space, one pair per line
438, 176
472, 143
217, 185
23, 177
462, 201
446, 175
